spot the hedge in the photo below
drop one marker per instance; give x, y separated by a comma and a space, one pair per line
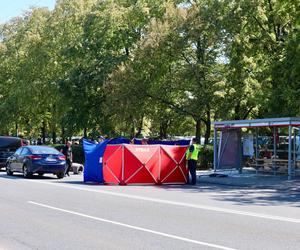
207, 156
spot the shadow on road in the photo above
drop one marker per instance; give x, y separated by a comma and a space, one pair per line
81, 183
18, 176
285, 193
288, 194
65, 180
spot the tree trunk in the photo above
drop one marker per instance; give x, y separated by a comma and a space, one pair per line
63, 134
127, 51
198, 130
85, 132
140, 128
237, 110
207, 128
44, 132
132, 127
163, 128
54, 136
207, 132
17, 129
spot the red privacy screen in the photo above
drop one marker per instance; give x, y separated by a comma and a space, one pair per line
144, 164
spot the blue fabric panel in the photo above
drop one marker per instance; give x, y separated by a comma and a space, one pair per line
177, 142
184, 142
93, 168
119, 140
137, 141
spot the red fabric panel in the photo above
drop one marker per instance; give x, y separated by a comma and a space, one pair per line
167, 164
131, 164
173, 164
143, 152
177, 153
153, 165
143, 176
112, 164
139, 160
144, 164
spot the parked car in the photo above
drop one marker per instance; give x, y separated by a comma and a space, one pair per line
8, 145
30, 160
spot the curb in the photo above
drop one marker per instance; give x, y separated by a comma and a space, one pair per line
244, 182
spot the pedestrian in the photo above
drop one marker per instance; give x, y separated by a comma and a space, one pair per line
67, 151
192, 155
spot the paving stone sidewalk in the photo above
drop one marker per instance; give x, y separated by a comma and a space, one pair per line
233, 178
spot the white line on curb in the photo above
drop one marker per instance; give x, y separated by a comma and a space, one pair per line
133, 227
183, 204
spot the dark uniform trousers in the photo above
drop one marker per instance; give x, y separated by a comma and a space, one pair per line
192, 164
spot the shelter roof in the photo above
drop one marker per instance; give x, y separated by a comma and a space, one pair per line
268, 122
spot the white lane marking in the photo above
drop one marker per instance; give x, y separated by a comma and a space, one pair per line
133, 227
175, 203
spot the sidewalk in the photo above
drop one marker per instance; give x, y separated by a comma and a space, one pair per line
233, 178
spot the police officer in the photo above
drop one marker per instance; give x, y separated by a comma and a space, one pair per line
192, 158
67, 151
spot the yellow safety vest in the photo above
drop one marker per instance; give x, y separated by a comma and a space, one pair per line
195, 153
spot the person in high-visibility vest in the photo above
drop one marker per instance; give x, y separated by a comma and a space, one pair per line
192, 158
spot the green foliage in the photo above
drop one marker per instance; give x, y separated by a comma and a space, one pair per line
141, 67
207, 156
78, 154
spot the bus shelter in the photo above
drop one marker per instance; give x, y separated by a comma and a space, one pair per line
228, 150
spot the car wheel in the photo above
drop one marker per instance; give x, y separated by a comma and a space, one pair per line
8, 171
60, 175
26, 174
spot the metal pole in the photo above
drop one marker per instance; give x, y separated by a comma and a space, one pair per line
274, 150
294, 148
215, 150
256, 148
256, 142
290, 154
240, 151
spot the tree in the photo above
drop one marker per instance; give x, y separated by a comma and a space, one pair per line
257, 34
175, 65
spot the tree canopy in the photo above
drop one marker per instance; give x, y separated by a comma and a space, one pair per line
141, 67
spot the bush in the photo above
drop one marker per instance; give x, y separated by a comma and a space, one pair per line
78, 154
206, 156
57, 146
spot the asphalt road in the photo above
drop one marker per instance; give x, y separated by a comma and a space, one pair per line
47, 213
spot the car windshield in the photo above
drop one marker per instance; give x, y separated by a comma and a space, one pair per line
43, 150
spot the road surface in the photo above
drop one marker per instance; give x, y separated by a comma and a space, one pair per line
48, 213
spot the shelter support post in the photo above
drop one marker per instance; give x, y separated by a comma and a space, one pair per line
240, 167
294, 149
274, 150
256, 149
215, 149
290, 154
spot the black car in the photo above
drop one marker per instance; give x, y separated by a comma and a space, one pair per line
36, 159
8, 145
